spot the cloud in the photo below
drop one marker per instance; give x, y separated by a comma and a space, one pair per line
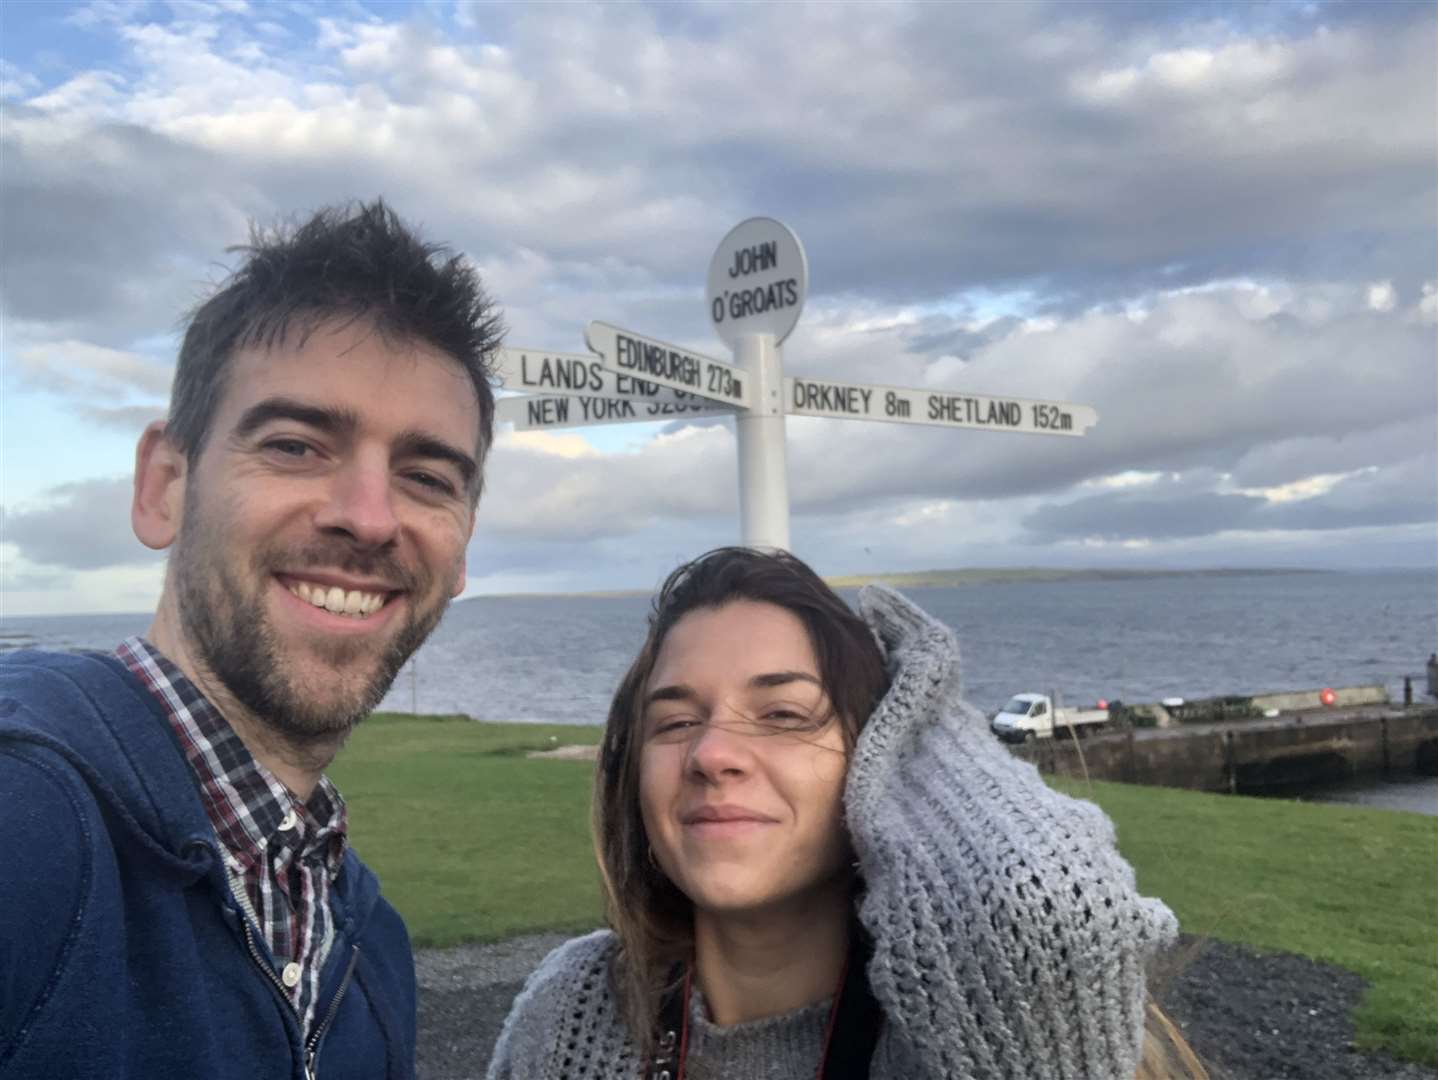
1184, 507
19, 577
1207, 379
131, 419
45, 590
1069, 147
72, 367
1211, 224
80, 526
1287, 459
1230, 390
14, 82
545, 492
1237, 382
97, 251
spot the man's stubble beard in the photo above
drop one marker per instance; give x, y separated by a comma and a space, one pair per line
230, 630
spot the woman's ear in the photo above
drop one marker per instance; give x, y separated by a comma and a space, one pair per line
159, 502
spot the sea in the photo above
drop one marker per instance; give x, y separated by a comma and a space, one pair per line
1134, 639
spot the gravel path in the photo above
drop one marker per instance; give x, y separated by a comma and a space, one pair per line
1249, 1016
1271, 1016
464, 996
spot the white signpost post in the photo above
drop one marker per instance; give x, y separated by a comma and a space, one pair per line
758, 279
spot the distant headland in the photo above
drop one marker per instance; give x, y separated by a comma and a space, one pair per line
939, 579
943, 579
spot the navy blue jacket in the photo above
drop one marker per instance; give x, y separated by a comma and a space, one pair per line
123, 953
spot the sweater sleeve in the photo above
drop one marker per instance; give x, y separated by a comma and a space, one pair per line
565, 1023
1009, 938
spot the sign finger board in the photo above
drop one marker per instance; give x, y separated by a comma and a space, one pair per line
944, 408
758, 278
538, 371
546, 411
668, 365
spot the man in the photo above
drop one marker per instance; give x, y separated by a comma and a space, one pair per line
177, 898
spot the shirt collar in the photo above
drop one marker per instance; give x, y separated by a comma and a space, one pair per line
252, 811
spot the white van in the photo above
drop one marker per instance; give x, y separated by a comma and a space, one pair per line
1033, 716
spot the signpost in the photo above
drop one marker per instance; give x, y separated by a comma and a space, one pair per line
758, 280
945, 408
545, 411
534, 371
674, 366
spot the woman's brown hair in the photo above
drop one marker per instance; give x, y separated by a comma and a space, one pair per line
1166, 1053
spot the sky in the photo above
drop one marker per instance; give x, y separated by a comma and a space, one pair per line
1213, 223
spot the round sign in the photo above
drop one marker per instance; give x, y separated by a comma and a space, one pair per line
757, 281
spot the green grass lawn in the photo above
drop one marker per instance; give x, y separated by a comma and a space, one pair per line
475, 842
472, 840
1350, 886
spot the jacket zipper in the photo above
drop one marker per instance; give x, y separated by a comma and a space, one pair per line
265, 969
312, 1044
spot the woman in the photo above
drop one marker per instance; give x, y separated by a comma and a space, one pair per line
818, 862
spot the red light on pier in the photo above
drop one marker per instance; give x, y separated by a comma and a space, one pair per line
1327, 696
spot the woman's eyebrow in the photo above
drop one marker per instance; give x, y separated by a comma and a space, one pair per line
683, 692
674, 692
782, 678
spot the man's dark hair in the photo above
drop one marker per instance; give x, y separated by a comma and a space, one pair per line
351, 262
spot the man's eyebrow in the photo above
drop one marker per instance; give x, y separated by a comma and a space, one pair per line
422, 445
782, 678
323, 417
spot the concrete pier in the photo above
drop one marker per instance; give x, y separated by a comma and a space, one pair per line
1253, 755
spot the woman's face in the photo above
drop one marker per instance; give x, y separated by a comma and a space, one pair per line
741, 771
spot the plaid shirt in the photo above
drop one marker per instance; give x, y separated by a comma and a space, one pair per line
281, 853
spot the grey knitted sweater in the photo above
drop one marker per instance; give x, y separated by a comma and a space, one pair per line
1009, 939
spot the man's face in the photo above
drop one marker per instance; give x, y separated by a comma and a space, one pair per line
325, 522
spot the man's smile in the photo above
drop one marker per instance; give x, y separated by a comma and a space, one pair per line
336, 598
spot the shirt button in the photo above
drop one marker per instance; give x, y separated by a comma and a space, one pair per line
289, 821
291, 974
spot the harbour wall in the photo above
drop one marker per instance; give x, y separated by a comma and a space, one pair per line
1253, 756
